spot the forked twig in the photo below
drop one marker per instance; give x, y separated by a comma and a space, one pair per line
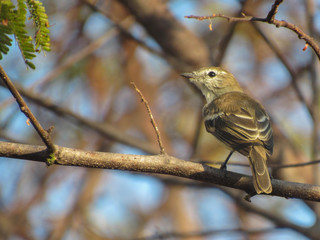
269, 19
44, 135
162, 151
274, 10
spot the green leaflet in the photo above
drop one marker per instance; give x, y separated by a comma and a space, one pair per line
13, 25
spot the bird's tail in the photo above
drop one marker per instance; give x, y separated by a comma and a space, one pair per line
260, 173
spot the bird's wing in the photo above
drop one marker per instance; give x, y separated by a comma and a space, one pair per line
265, 130
240, 127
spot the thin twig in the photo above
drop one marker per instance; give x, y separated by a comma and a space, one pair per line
272, 166
204, 233
277, 23
278, 166
230, 19
44, 135
162, 151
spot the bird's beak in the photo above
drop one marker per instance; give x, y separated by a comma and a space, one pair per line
187, 75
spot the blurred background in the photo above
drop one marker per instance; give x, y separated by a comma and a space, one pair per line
98, 48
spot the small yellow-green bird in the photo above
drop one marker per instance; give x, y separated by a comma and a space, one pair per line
237, 120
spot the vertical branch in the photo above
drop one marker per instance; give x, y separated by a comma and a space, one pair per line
196, 138
274, 10
162, 151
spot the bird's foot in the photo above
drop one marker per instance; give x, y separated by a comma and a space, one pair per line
249, 196
223, 167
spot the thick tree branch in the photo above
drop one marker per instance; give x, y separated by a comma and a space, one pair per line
162, 164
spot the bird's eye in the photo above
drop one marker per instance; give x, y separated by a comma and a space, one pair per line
211, 74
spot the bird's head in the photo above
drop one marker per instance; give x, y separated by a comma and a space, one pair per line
213, 82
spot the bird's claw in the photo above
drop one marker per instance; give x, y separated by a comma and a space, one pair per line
223, 167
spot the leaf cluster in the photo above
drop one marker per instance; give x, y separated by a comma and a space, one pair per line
13, 25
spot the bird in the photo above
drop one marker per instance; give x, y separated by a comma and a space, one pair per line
237, 120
